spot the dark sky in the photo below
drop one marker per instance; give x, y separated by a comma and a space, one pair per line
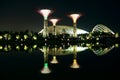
20, 15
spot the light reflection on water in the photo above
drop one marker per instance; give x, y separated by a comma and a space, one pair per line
59, 60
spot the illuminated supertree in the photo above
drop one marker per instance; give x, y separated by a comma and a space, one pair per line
45, 13
74, 18
54, 22
54, 60
45, 69
75, 65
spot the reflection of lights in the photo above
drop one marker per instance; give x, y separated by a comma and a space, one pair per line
34, 37
97, 43
117, 45
1, 47
17, 36
116, 35
6, 48
54, 60
75, 65
97, 38
78, 48
34, 46
25, 47
45, 69
18, 47
102, 51
1, 37
9, 47
45, 39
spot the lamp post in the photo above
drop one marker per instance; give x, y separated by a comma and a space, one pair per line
75, 65
54, 22
45, 69
74, 17
45, 13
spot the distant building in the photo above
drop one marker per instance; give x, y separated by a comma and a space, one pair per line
61, 29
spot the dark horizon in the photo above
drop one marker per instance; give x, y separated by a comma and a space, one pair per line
20, 15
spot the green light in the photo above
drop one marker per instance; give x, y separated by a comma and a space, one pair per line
46, 65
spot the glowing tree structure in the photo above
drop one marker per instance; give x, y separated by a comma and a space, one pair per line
54, 22
75, 65
74, 18
54, 60
45, 13
45, 69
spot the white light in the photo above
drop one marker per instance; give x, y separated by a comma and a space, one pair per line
45, 13
75, 65
54, 60
74, 17
54, 21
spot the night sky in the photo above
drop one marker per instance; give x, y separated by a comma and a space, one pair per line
20, 15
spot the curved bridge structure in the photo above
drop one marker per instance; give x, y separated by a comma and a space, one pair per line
102, 28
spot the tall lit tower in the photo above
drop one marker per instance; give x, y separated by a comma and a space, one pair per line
45, 13
45, 69
54, 22
75, 65
74, 18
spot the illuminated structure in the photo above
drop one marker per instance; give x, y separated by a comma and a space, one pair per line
102, 51
54, 21
74, 18
45, 13
45, 69
102, 28
54, 60
60, 29
75, 65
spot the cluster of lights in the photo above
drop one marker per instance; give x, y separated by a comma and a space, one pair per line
21, 47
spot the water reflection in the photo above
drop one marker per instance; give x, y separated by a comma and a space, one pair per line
75, 64
101, 51
45, 69
98, 49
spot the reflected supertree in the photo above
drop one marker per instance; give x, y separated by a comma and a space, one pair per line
45, 69
54, 59
75, 64
101, 50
